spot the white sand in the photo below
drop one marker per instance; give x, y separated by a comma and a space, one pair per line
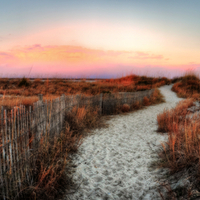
114, 162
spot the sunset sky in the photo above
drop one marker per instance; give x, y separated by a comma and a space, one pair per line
98, 38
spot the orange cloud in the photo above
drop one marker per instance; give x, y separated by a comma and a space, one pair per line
64, 54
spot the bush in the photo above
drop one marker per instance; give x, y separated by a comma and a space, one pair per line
80, 119
146, 101
156, 97
23, 82
125, 108
137, 105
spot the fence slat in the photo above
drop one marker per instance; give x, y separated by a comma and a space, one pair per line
2, 155
18, 182
6, 153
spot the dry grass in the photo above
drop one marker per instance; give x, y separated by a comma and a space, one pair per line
51, 175
187, 86
181, 153
11, 101
23, 91
169, 118
155, 98
131, 83
125, 108
83, 119
146, 101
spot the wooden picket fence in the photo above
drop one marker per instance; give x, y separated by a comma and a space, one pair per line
21, 130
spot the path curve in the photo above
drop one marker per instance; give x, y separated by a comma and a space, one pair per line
113, 163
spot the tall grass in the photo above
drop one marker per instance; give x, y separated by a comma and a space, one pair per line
11, 101
181, 153
188, 86
50, 174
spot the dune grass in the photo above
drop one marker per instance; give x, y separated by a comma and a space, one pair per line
26, 87
187, 86
11, 101
181, 152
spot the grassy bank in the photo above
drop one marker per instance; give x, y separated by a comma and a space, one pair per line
181, 153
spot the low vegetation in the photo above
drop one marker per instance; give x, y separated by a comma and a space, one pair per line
27, 87
187, 86
25, 91
11, 101
181, 153
51, 174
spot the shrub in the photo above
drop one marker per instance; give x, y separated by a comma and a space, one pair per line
106, 92
137, 105
156, 97
166, 119
52, 168
37, 81
23, 82
83, 118
187, 86
125, 108
146, 101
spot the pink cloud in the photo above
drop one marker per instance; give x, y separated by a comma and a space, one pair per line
144, 55
5, 55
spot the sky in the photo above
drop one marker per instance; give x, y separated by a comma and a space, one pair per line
99, 38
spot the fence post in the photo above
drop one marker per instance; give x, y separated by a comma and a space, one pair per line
62, 109
57, 115
78, 97
125, 97
2, 158
40, 97
6, 160
40, 115
101, 103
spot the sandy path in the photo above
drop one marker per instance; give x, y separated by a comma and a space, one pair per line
114, 162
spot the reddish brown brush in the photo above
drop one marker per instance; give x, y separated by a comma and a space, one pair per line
146, 101
58, 87
125, 108
182, 150
169, 118
187, 86
50, 178
80, 119
11, 101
